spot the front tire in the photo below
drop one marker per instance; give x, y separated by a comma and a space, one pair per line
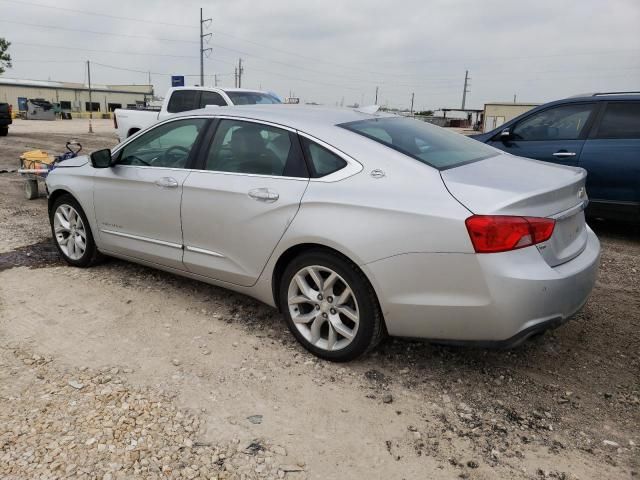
4, 132
330, 306
72, 234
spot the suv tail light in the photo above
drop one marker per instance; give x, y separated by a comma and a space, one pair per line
501, 233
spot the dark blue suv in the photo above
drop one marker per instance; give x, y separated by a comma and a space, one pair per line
599, 132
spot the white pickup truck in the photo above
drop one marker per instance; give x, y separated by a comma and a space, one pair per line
182, 99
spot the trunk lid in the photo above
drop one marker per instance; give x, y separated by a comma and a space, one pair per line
510, 185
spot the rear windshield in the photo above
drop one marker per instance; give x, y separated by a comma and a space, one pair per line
427, 143
252, 98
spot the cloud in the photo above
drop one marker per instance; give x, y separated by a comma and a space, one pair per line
324, 51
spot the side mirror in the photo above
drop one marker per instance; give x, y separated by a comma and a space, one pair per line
505, 134
101, 158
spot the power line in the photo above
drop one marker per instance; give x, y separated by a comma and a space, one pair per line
55, 27
119, 52
86, 12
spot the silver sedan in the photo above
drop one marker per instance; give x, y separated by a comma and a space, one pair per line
355, 224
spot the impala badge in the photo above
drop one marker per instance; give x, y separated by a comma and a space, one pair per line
582, 193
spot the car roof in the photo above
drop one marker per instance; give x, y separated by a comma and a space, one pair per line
301, 117
599, 97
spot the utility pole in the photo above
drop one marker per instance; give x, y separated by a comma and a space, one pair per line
514, 98
90, 100
465, 91
202, 49
235, 77
412, 97
215, 80
240, 72
376, 102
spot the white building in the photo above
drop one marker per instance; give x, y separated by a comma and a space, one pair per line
74, 97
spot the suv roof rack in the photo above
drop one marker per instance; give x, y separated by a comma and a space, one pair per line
599, 94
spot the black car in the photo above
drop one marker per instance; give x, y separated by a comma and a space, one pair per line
599, 132
5, 119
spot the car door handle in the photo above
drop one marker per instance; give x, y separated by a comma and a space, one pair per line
264, 195
564, 154
166, 182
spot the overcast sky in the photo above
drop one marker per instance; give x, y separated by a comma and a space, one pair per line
327, 51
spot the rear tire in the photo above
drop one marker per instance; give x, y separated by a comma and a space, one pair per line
4, 131
330, 306
31, 189
72, 233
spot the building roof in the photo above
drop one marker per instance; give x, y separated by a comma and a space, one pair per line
135, 89
514, 104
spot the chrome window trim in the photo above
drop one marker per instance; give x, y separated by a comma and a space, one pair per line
142, 239
351, 168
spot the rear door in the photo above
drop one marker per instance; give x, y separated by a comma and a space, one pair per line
556, 134
239, 203
611, 155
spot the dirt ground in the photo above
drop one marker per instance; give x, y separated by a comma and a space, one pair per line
121, 371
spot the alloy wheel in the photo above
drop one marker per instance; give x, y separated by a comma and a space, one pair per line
323, 308
70, 231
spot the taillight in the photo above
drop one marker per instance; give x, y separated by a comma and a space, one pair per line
500, 233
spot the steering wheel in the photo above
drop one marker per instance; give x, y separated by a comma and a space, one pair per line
170, 152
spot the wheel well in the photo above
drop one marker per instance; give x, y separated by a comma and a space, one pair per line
132, 131
291, 253
55, 195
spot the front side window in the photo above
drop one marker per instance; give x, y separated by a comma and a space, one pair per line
559, 123
252, 98
183, 101
167, 145
620, 120
427, 143
254, 148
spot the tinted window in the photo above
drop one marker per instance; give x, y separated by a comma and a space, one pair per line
251, 98
167, 145
323, 162
432, 145
184, 100
211, 98
620, 120
559, 123
247, 147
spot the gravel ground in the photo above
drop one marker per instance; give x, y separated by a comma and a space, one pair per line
121, 371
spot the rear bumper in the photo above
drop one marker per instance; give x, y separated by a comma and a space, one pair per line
493, 299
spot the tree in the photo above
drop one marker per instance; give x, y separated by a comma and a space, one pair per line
5, 58
426, 113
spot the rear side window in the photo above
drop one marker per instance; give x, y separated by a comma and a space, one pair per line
559, 123
620, 120
211, 98
254, 148
183, 100
323, 162
427, 143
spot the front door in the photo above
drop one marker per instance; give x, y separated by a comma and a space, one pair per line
137, 201
555, 135
238, 205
